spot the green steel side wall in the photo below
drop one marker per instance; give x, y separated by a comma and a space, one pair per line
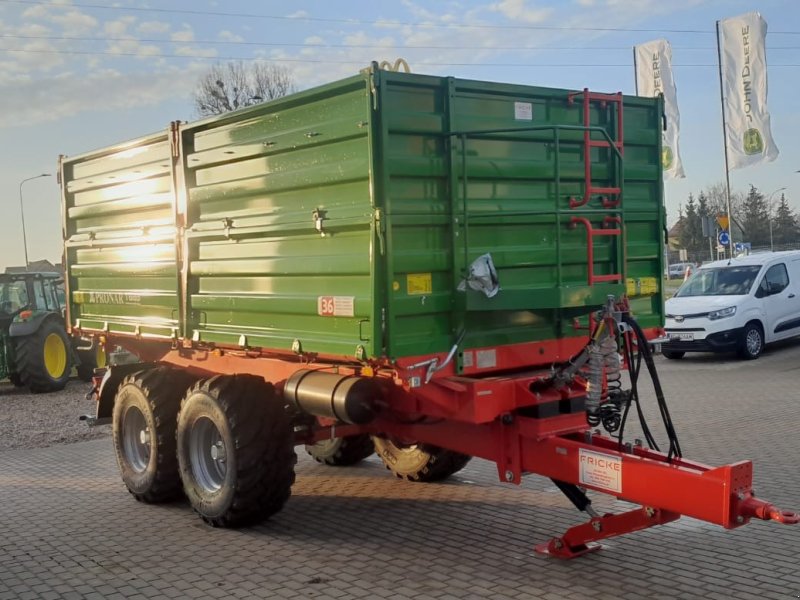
449, 199
120, 238
223, 217
257, 265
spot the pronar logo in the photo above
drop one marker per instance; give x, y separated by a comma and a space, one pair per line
109, 298
753, 142
667, 157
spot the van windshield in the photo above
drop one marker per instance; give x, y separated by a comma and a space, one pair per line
720, 281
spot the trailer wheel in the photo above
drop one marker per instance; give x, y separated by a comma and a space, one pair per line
44, 358
342, 452
419, 462
91, 359
235, 450
143, 427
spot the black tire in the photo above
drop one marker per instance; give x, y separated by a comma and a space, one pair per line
235, 450
419, 462
342, 452
143, 426
751, 344
44, 358
90, 360
673, 354
15, 379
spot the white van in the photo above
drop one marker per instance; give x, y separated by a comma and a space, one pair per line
739, 304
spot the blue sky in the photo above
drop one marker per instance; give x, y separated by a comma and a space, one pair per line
77, 76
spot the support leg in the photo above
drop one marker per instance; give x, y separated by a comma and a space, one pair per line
579, 540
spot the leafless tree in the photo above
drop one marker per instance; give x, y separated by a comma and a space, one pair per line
236, 84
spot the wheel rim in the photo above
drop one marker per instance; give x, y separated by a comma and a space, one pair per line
136, 439
207, 454
753, 342
55, 356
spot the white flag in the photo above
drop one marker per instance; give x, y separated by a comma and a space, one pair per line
654, 77
744, 77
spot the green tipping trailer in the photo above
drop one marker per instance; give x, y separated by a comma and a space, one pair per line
342, 220
425, 268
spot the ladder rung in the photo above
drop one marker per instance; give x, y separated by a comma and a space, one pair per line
604, 190
616, 277
595, 232
603, 144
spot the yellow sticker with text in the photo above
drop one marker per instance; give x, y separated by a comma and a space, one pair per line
418, 284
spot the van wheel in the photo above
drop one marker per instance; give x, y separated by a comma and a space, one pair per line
673, 354
752, 343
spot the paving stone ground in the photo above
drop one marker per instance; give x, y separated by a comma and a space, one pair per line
68, 528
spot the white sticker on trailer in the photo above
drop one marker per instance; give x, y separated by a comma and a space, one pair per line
599, 470
336, 306
523, 111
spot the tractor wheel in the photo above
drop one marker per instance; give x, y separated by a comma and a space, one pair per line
143, 426
342, 452
91, 359
419, 462
44, 358
15, 379
235, 450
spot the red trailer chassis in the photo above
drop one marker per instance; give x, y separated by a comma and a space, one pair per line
515, 421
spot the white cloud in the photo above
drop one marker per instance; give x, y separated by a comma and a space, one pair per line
196, 51
183, 35
520, 11
119, 26
229, 36
72, 22
153, 27
31, 102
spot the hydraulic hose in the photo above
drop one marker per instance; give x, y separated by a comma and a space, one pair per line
647, 355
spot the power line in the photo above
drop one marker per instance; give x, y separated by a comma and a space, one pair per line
342, 62
340, 46
207, 13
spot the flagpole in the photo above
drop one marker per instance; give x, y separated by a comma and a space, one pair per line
725, 144
635, 72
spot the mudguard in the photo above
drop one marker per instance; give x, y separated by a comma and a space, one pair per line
29, 326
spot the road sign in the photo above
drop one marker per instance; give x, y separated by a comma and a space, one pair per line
738, 247
724, 238
723, 221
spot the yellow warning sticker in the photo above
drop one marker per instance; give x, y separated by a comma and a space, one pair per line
418, 284
644, 286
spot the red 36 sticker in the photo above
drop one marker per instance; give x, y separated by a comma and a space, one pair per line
336, 306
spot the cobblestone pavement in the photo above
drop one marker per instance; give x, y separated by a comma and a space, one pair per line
70, 530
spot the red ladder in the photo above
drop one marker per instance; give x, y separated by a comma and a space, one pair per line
589, 143
611, 196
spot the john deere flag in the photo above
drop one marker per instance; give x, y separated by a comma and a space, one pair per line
744, 77
654, 77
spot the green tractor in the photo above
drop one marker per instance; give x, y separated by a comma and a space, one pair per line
35, 350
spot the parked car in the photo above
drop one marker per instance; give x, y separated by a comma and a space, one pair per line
739, 304
678, 270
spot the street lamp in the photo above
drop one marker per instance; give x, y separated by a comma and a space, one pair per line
22, 214
769, 204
